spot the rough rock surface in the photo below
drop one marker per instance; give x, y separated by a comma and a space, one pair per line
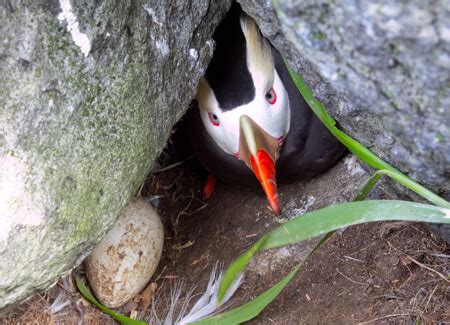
381, 69
89, 91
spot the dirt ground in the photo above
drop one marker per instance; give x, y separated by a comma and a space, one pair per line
380, 273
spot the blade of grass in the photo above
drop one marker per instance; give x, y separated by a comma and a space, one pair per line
240, 263
354, 146
347, 214
117, 316
252, 308
358, 149
328, 219
405, 181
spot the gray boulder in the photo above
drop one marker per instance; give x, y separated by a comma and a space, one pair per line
381, 69
89, 93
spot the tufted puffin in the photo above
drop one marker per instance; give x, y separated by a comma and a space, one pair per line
250, 123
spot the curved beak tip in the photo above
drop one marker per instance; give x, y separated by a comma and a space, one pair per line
275, 208
264, 168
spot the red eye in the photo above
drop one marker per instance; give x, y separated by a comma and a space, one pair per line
214, 119
271, 96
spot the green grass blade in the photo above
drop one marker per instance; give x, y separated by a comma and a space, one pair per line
331, 218
354, 146
370, 184
405, 181
307, 94
252, 308
117, 316
359, 150
239, 265
328, 219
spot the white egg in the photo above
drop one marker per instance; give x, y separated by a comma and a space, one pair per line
123, 262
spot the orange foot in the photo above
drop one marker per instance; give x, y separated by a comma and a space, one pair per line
208, 189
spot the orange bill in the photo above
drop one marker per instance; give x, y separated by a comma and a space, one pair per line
259, 151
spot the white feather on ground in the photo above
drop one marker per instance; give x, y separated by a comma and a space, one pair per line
207, 304
60, 303
62, 300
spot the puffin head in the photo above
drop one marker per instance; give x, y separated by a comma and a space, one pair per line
243, 104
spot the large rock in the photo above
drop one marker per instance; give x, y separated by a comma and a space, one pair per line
381, 69
89, 92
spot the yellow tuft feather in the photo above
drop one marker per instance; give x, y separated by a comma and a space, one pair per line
259, 54
205, 96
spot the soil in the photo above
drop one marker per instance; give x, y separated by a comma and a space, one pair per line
379, 273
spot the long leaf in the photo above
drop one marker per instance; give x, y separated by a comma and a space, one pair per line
252, 308
358, 149
239, 265
405, 181
354, 146
328, 219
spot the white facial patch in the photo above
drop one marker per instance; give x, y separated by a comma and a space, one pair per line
272, 118
270, 107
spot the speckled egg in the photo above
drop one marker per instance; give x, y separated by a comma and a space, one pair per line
124, 261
